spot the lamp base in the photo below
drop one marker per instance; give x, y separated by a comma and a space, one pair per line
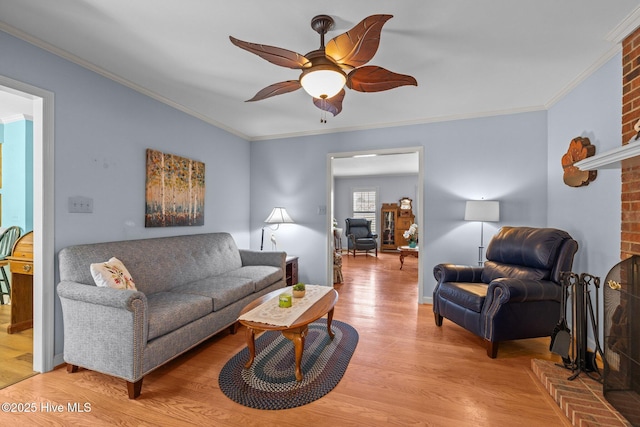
480, 250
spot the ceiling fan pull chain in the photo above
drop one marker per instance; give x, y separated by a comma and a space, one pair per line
323, 114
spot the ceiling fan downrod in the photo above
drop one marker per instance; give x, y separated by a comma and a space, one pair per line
321, 24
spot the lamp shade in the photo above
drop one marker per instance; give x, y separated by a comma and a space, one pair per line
482, 210
278, 216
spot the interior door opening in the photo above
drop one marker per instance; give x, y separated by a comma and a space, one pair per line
378, 157
41, 102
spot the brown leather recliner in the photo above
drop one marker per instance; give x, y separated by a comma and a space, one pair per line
516, 294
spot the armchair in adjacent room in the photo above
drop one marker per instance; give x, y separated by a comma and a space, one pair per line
359, 236
516, 294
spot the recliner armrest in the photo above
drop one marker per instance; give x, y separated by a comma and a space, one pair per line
457, 273
508, 290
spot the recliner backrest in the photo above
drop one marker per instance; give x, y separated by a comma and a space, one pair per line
528, 253
359, 227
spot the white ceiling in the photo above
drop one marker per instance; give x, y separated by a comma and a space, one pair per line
471, 58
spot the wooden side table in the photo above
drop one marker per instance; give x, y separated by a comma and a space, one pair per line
407, 251
291, 270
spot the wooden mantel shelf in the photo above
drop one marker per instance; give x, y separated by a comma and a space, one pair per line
611, 159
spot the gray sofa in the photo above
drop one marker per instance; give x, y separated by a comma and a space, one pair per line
188, 289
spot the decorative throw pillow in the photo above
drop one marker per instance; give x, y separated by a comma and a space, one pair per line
112, 274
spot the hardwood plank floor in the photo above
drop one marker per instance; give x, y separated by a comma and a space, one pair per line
405, 371
16, 351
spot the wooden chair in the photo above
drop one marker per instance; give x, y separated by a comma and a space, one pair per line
7, 240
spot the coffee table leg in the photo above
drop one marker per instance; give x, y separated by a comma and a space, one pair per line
329, 320
298, 338
251, 345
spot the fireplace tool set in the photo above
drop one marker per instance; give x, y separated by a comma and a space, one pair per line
572, 347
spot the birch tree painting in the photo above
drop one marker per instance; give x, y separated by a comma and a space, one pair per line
175, 190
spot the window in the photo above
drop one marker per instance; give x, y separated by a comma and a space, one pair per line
365, 205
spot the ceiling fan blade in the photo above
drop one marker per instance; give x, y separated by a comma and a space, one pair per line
372, 78
275, 55
357, 46
276, 89
332, 105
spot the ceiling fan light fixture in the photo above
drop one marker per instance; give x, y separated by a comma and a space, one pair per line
323, 81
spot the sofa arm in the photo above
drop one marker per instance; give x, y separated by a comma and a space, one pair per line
275, 259
508, 290
109, 297
457, 273
105, 329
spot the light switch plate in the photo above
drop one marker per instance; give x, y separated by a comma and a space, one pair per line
79, 204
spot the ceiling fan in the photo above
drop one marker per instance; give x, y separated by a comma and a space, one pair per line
327, 70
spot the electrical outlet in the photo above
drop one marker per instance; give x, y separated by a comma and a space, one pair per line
322, 210
79, 204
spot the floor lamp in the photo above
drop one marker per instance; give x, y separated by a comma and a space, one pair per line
277, 216
483, 211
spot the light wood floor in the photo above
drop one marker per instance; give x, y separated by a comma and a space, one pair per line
16, 351
405, 371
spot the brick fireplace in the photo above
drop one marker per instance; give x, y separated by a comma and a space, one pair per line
630, 221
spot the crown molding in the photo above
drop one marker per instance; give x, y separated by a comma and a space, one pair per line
584, 76
116, 78
625, 27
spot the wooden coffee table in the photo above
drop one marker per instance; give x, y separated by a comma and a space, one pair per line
297, 331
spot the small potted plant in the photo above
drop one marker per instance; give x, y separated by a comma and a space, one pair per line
298, 290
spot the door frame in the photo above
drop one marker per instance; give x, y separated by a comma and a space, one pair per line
43, 220
419, 205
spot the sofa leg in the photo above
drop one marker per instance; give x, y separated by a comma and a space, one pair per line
134, 389
234, 328
438, 319
492, 349
72, 368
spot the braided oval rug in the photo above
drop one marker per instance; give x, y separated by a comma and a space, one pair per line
270, 382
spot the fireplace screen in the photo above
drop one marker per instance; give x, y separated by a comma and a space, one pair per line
622, 338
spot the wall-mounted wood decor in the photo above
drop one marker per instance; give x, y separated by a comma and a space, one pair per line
579, 149
175, 190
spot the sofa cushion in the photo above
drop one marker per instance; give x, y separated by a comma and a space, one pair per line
262, 275
169, 311
468, 295
221, 290
157, 264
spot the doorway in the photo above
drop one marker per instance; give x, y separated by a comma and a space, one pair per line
381, 156
42, 104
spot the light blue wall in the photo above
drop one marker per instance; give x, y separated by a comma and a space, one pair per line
501, 157
102, 130
591, 214
17, 174
390, 188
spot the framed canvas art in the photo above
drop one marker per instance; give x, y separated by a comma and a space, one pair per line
175, 190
